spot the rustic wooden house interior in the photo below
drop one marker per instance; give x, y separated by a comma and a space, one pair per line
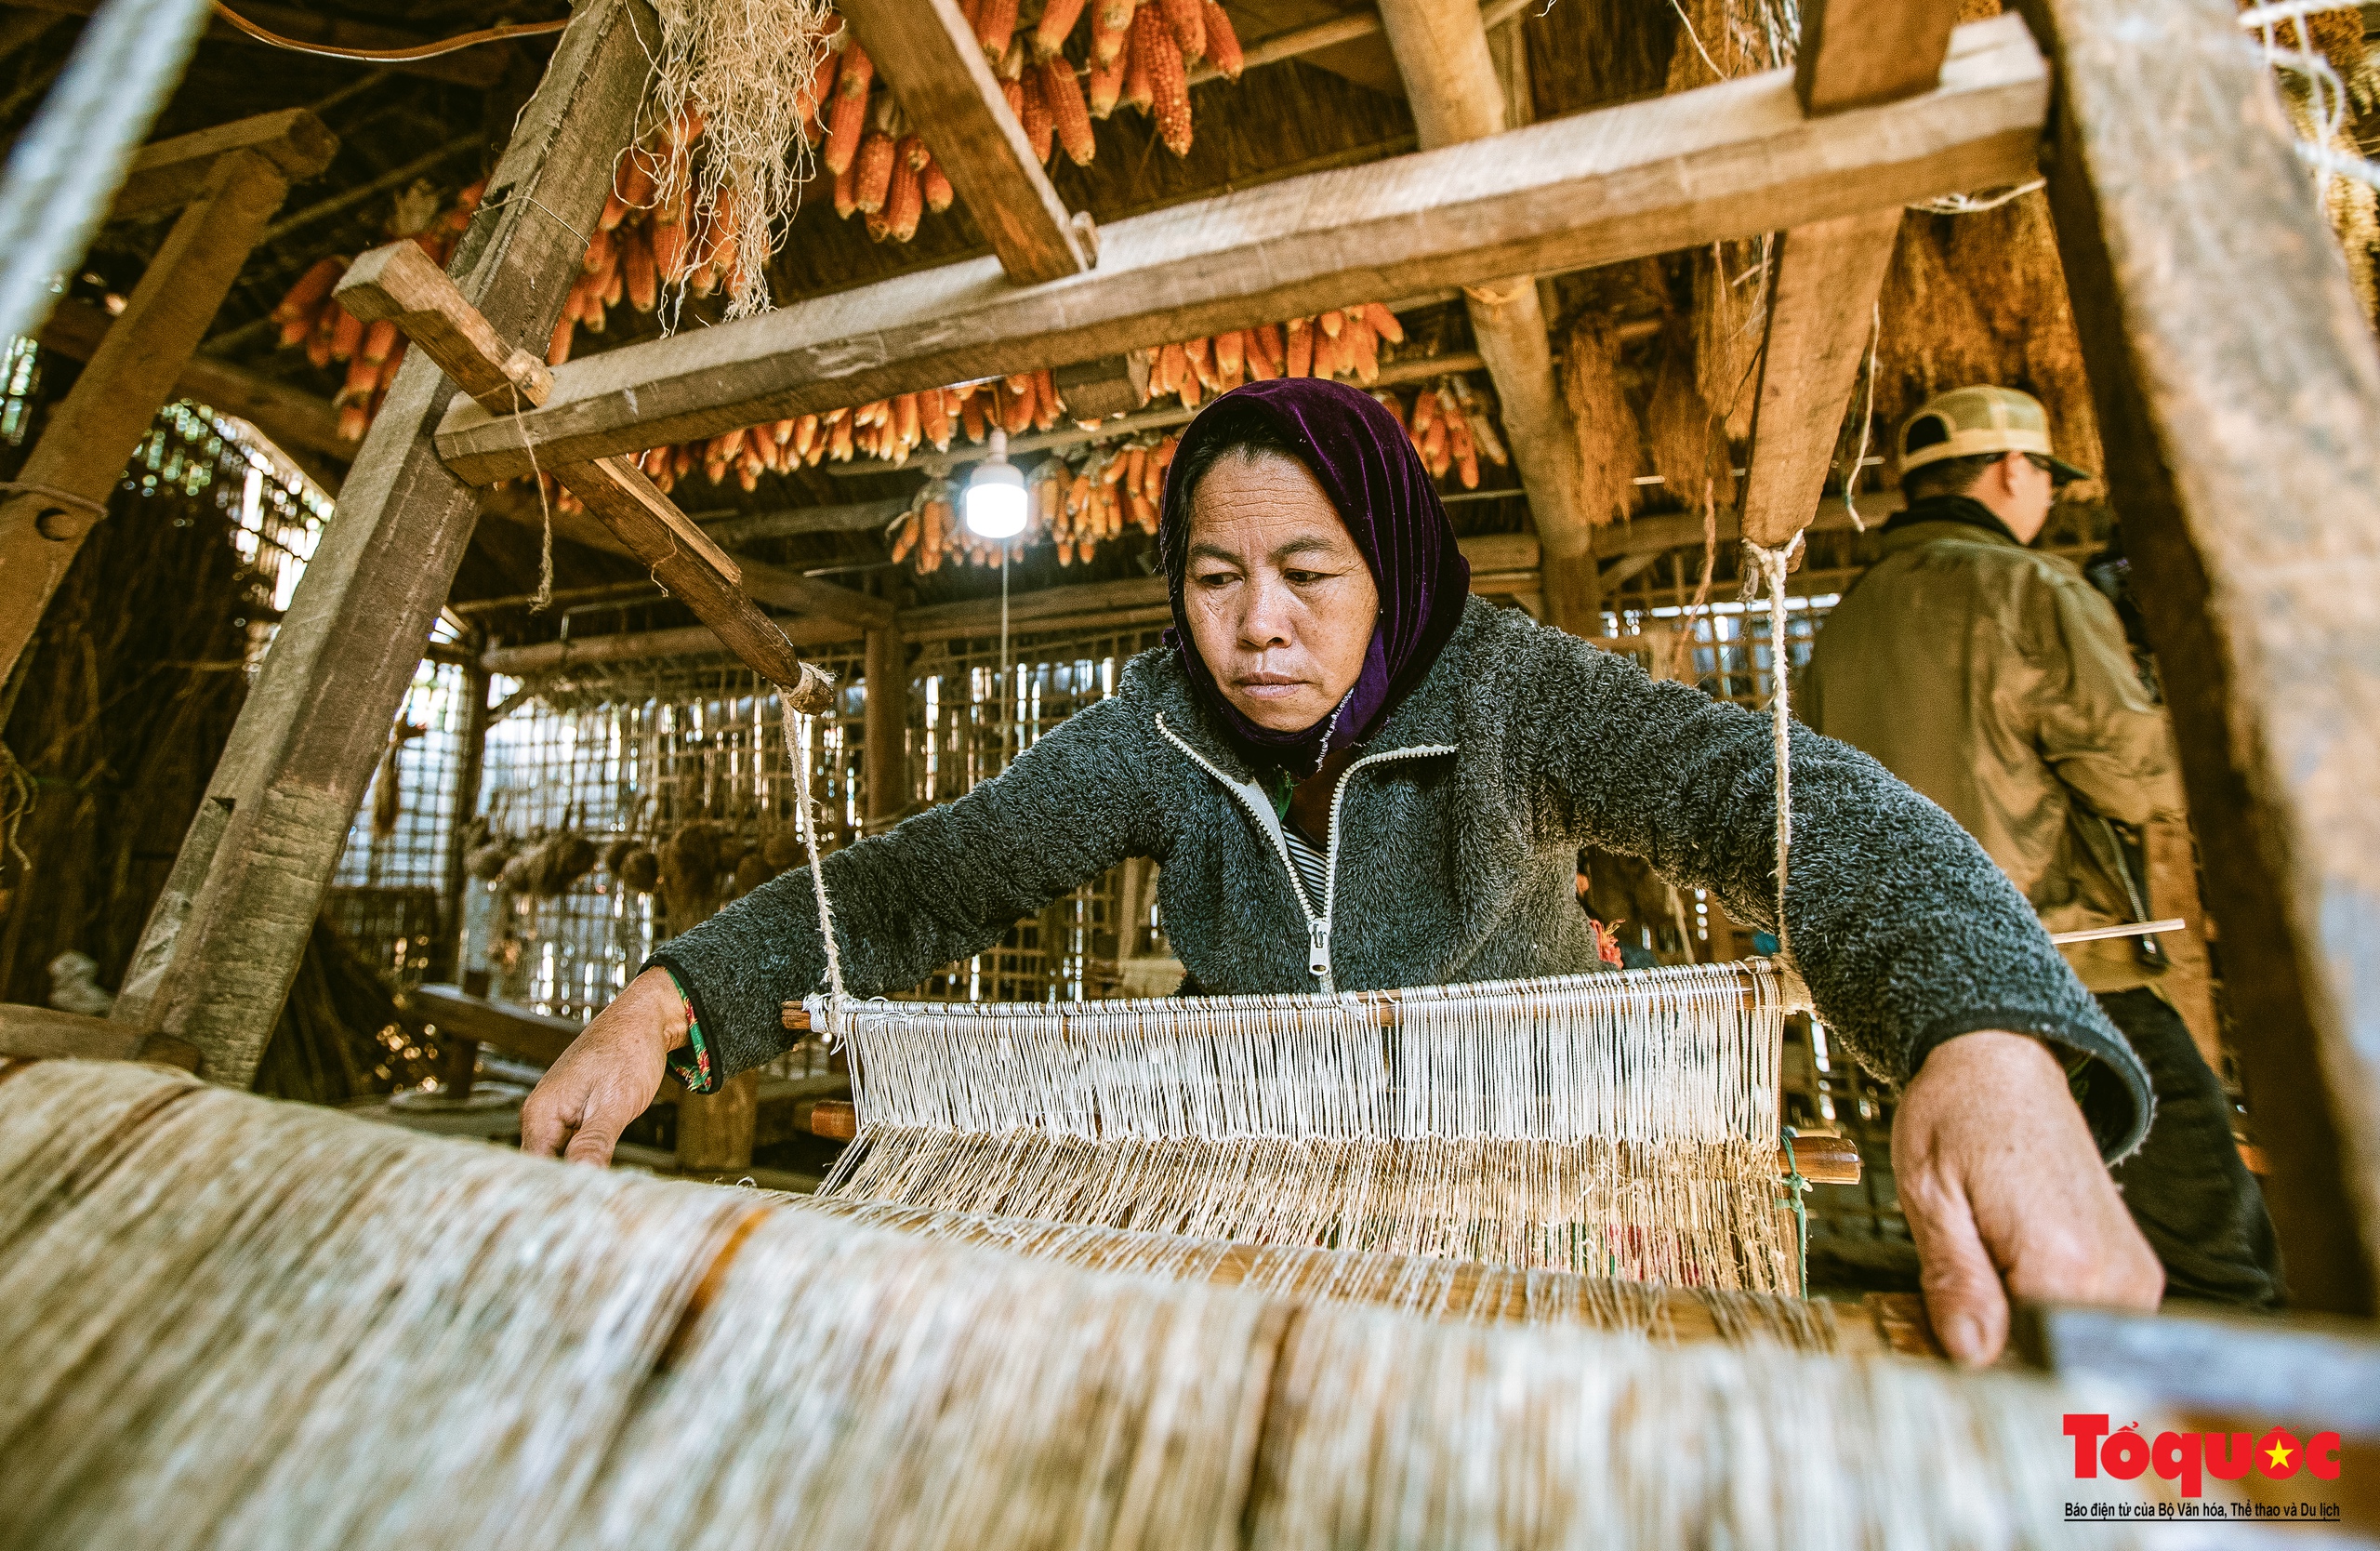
486, 491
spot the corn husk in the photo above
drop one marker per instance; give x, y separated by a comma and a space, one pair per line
1601, 420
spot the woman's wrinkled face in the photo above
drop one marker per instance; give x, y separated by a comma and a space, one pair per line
1281, 604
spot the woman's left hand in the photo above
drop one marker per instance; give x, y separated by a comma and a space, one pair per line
608, 1076
2006, 1194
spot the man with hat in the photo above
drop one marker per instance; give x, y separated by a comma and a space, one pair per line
1997, 681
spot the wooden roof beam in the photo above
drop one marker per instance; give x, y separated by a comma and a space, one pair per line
399, 283
1591, 189
936, 69
1441, 49
1827, 274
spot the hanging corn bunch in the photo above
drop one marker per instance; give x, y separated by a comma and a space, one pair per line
1450, 427
310, 318
736, 92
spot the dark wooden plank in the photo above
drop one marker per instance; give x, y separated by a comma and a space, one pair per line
2305, 1370
886, 709
1450, 80
224, 942
1591, 189
45, 1033
531, 1035
929, 57
1821, 303
715, 1130
294, 419
166, 175
2238, 392
83, 450
479, 68
1857, 53
1828, 274
780, 588
697, 573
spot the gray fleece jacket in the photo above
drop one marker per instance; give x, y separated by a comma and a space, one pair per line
1453, 853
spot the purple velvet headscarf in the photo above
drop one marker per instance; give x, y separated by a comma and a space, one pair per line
1369, 468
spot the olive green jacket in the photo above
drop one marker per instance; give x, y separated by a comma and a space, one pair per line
1997, 681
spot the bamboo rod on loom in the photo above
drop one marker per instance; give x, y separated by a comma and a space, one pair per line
1822, 1158
1383, 1003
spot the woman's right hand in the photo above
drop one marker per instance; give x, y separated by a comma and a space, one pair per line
609, 1074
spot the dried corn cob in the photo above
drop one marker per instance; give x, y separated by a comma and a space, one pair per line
872, 173
1329, 354
347, 333
1140, 88
1265, 343
1185, 20
1200, 353
1057, 20
633, 178
907, 200
1168, 81
1223, 43
318, 339
1361, 347
640, 277
1300, 358
936, 185
996, 26
817, 97
847, 191
1040, 125
1106, 86
1395, 406
307, 296
1111, 28
1068, 112
1482, 429
847, 118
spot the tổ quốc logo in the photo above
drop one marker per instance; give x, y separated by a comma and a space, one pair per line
2188, 1459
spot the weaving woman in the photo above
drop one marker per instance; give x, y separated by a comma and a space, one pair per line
1356, 776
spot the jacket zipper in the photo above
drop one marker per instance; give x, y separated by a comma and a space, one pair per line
1317, 927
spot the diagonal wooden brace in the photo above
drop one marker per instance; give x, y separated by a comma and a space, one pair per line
400, 283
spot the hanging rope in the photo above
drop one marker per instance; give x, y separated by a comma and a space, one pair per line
808, 823
1774, 564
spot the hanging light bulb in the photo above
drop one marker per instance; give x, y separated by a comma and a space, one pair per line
995, 500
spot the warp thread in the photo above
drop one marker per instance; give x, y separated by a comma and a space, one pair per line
238, 1322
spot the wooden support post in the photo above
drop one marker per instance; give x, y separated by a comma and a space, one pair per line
1826, 275
222, 944
715, 1130
399, 283
227, 196
929, 56
446, 959
1571, 193
1450, 80
45, 1033
2238, 392
887, 741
